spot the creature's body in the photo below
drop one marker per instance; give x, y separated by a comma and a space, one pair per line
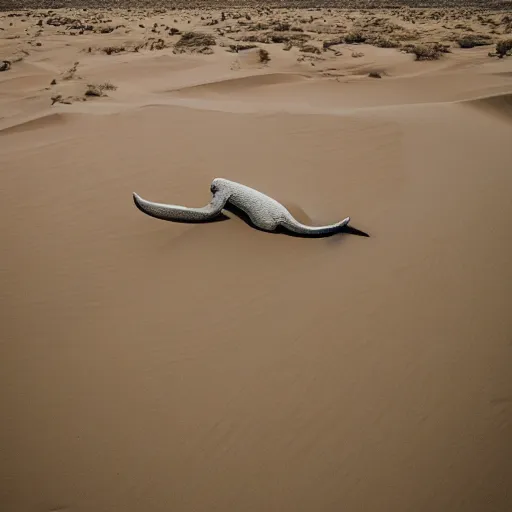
264, 213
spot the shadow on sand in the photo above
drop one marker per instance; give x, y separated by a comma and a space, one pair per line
283, 231
280, 230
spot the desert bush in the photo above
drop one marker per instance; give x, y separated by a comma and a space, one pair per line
472, 40
263, 55
277, 37
427, 51
382, 42
99, 89
110, 50
282, 27
258, 26
355, 38
333, 42
58, 98
71, 72
309, 48
503, 47
93, 90
193, 40
60, 20
107, 86
285, 37
156, 44
235, 48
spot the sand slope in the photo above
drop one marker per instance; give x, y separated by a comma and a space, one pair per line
153, 366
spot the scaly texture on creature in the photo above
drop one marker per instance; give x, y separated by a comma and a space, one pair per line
263, 212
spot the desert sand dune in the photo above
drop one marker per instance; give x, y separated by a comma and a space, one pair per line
147, 365
499, 105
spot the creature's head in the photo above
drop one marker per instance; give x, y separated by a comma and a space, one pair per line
218, 185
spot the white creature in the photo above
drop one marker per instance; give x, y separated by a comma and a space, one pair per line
263, 212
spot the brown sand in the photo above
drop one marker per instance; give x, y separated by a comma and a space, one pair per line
148, 366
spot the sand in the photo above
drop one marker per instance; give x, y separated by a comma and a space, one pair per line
152, 366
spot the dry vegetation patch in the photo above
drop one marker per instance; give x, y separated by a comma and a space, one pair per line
195, 42
432, 51
99, 89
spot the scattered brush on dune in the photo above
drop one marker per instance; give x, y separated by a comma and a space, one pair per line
504, 48
263, 55
65, 100
112, 50
399, 28
153, 44
150, 44
58, 21
70, 74
98, 90
195, 42
92, 90
333, 42
295, 38
382, 42
432, 51
310, 48
235, 48
472, 40
356, 37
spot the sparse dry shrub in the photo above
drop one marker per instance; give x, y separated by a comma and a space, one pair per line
99, 89
427, 51
296, 38
93, 90
194, 41
333, 42
472, 40
383, 42
355, 37
235, 48
309, 48
71, 72
258, 26
281, 27
283, 37
60, 20
110, 50
156, 44
107, 86
504, 47
263, 55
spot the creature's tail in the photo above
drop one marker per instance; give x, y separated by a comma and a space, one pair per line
175, 213
314, 231
353, 231
297, 229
